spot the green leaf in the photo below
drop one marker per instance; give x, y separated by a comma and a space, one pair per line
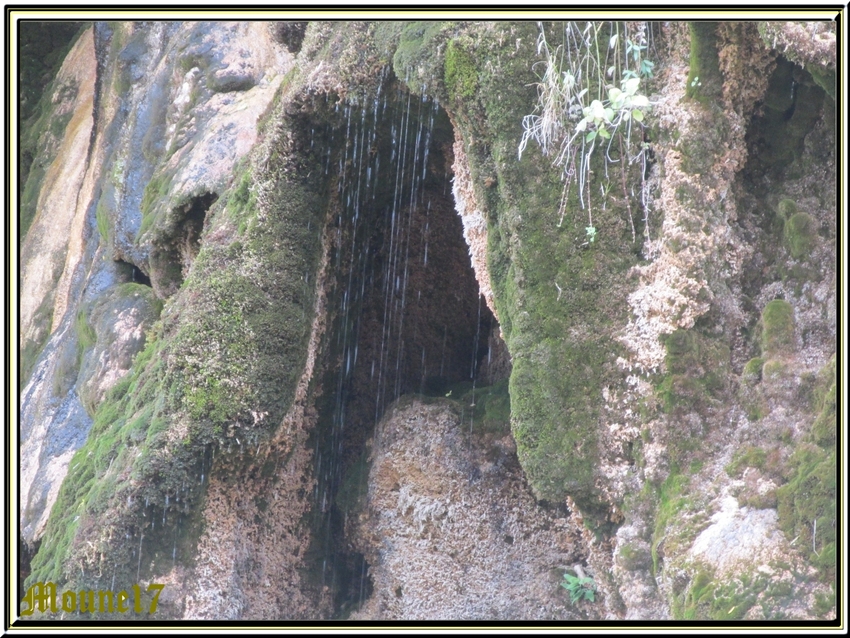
631, 85
640, 101
638, 115
590, 136
614, 93
597, 110
604, 133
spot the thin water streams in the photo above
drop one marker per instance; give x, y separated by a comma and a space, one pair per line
407, 315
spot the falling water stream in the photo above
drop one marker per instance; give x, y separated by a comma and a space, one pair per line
407, 315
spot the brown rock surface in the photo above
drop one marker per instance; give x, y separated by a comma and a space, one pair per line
452, 531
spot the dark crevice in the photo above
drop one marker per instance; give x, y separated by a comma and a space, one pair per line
26, 552
189, 235
776, 141
171, 257
291, 35
408, 317
775, 136
130, 273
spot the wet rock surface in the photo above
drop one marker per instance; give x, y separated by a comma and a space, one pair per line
450, 529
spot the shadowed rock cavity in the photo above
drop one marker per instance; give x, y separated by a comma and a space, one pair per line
132, 274
171, 258
408, 317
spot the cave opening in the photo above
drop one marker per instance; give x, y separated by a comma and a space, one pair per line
171, 257
789, 136
407, 316
130, 273
189, 239
792, 104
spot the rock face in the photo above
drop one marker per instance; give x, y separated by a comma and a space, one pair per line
244, 242
83, 244
450, 529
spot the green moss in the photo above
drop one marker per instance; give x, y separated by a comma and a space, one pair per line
670, 502
153, 200
102, 221
488, 409
86, 336
633, 557
824, 603
808, 503
774, 370
786, 209
66, 366
808, 500
461, 77
697, 371
417, 60
778, 329
747, 457
825, 78
678, 391
562, 345
241, 198
752, 370
707, 598
800, 235
191, 60
824, 427
705, 81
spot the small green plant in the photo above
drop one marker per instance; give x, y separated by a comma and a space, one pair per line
591, 233
580, 587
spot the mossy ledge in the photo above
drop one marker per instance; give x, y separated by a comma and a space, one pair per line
217, 375
561, 343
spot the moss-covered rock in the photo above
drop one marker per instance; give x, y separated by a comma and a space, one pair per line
824, 427
752, 370
461, 76
110, 335
704, 79
635, 555
417, 58
786, 208
750, 456
708, 596
219, 373
800, 235
697, 378
778, 328
807, 505
561, 343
